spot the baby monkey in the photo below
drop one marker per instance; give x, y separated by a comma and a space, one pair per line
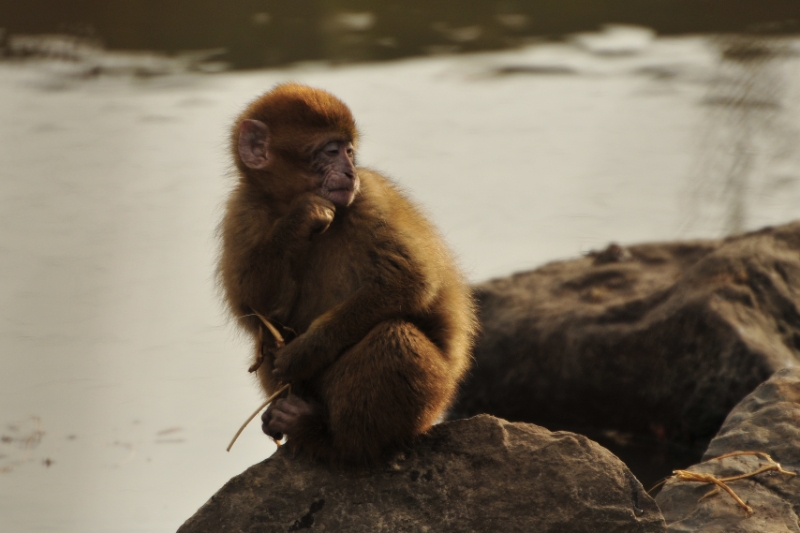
378, 318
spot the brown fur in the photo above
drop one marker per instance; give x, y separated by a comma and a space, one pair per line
384, 319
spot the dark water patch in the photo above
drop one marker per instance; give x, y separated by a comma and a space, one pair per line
534, 70
659, 72
256, 33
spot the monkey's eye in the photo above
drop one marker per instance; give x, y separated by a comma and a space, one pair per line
332, 148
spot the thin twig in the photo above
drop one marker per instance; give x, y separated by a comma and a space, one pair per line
660, 483
774, 465
263, 405
279, 341
721, 482
259, 351
685, 475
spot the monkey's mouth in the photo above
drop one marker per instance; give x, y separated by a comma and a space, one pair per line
342, 197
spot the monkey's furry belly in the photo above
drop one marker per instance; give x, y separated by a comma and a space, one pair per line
318, 293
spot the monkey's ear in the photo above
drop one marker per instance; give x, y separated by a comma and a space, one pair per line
253, 143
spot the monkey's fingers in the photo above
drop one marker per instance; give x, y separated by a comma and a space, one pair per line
281, 366
294, 406
324, 225
266, 421
323, 212
277, 437
279, 424
280, 419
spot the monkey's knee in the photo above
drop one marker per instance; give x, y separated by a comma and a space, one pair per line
409, 353
385, 390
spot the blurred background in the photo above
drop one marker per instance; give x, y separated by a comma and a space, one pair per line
529, 132
260, 33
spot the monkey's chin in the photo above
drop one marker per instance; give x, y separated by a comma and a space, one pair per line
342, 197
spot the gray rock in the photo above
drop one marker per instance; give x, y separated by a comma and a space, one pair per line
654, 339
476, 475
768, 420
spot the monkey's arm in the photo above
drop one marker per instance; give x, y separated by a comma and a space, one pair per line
266, 256
399, 287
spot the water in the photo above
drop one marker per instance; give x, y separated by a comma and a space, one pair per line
122, 381
258, 33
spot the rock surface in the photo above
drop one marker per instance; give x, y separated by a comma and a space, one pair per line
476, 475
653, 339
768, 420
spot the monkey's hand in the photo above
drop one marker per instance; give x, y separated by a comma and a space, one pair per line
284, 416
300, 360
311, 214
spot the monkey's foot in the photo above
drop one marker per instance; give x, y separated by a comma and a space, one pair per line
284, 416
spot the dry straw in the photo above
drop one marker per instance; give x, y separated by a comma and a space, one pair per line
722, 482
279, 343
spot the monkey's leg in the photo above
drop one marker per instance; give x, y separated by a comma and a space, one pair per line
388, 388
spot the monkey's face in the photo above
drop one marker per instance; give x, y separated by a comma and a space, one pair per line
289, 164
334, 166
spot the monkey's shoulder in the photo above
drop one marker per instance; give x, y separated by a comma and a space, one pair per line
387, 204
245, 217
400, 228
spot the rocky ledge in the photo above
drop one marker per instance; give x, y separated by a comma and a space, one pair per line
487, 475
476, 475
658, 339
